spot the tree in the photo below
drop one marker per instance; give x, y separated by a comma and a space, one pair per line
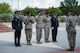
52, 10
68, 5
32, 10
76, 10
5, 8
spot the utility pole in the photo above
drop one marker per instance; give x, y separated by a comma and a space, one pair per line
12, 5
18, 4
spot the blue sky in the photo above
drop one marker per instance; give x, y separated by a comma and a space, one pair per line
33, 3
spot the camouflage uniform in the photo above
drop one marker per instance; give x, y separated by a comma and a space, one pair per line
47, 26
71, 31
39, 27
76, 19
28, 28
79, 20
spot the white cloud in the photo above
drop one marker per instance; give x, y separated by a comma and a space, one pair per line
35, 3
15, 5
46, 4
50, 3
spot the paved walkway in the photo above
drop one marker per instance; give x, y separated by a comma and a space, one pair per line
7, 45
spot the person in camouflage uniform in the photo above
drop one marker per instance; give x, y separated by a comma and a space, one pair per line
71, 31
79, 20
39, 26
28, 20
47, 26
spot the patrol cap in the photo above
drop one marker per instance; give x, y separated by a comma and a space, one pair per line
28, 12
70, 12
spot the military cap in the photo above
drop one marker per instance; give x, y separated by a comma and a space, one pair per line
17, 12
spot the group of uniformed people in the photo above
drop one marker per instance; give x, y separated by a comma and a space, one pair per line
43, 21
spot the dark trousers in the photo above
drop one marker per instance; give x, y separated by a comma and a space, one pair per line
17, 37
54, 34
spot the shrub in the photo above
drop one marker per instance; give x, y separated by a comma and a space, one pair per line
5, 18
22, 16
8, 17
62, 19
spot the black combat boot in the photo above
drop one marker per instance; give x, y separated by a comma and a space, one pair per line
28, 43
38, 42
71, 49
46, 41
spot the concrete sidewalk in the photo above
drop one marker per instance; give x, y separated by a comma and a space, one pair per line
7, 42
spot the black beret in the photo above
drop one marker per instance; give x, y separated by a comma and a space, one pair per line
46, 13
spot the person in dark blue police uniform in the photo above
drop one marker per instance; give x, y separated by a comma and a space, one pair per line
17, 27
54, 25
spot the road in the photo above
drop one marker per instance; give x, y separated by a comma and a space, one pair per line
7, 42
